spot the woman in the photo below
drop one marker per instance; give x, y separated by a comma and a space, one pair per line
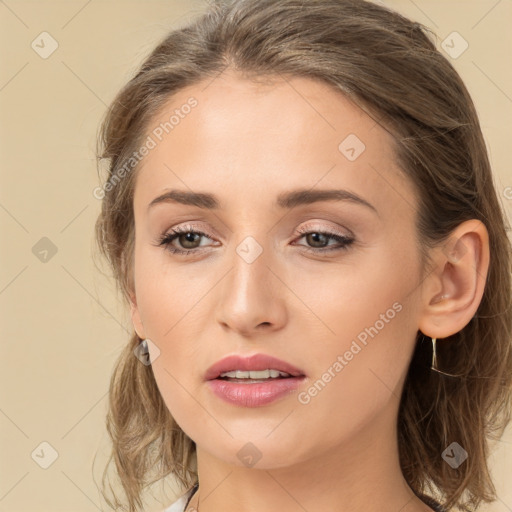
299, 212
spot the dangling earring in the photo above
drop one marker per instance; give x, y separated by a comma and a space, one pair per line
141, 351
433, 366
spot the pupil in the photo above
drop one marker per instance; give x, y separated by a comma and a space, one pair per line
315, 237
187, 238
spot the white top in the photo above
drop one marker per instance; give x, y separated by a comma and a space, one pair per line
179, 505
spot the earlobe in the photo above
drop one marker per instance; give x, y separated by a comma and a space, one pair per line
454, 290
136, 320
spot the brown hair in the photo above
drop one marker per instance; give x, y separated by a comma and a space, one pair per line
389, 66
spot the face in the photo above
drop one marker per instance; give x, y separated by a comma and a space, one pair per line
328, 284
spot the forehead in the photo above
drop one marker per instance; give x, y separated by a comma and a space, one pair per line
246, 139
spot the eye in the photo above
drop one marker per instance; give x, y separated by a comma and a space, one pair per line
186, 236
320, 240
190, 240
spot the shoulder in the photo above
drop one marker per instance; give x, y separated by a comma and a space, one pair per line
177, 506
432, 503
181, 503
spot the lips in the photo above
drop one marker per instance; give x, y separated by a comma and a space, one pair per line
256, 362
250, 392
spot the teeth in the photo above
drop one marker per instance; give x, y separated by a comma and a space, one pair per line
263, 374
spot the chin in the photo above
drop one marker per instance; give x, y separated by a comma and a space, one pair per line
258, 452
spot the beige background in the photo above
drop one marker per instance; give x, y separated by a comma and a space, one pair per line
61, 323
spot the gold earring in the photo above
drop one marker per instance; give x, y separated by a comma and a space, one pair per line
433, 366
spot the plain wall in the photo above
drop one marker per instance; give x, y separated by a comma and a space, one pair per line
62, 324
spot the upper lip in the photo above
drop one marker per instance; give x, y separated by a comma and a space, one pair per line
254, 362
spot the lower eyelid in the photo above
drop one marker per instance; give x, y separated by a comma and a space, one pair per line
340, 244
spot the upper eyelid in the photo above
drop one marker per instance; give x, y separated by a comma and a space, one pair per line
301, 232
197, 229
330, 229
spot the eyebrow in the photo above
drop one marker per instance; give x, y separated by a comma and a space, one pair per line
284, 200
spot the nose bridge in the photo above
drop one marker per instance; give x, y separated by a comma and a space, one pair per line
249, 281
250, 295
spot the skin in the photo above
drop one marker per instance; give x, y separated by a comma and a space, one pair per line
246, 143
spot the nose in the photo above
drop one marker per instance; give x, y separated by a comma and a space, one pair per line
252, 297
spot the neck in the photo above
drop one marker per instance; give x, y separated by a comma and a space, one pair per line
362, 473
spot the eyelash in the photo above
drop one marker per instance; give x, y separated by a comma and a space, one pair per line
168, 238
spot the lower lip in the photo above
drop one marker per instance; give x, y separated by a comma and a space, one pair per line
254, 394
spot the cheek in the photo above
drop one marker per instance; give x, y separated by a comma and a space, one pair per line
343, 299
166, 303
368, 327
175, 389
358, 378
167, 296
177, 373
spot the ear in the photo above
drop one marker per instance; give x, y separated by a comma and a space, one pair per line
452, 292
136, 320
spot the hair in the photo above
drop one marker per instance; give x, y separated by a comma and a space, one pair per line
389, 66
